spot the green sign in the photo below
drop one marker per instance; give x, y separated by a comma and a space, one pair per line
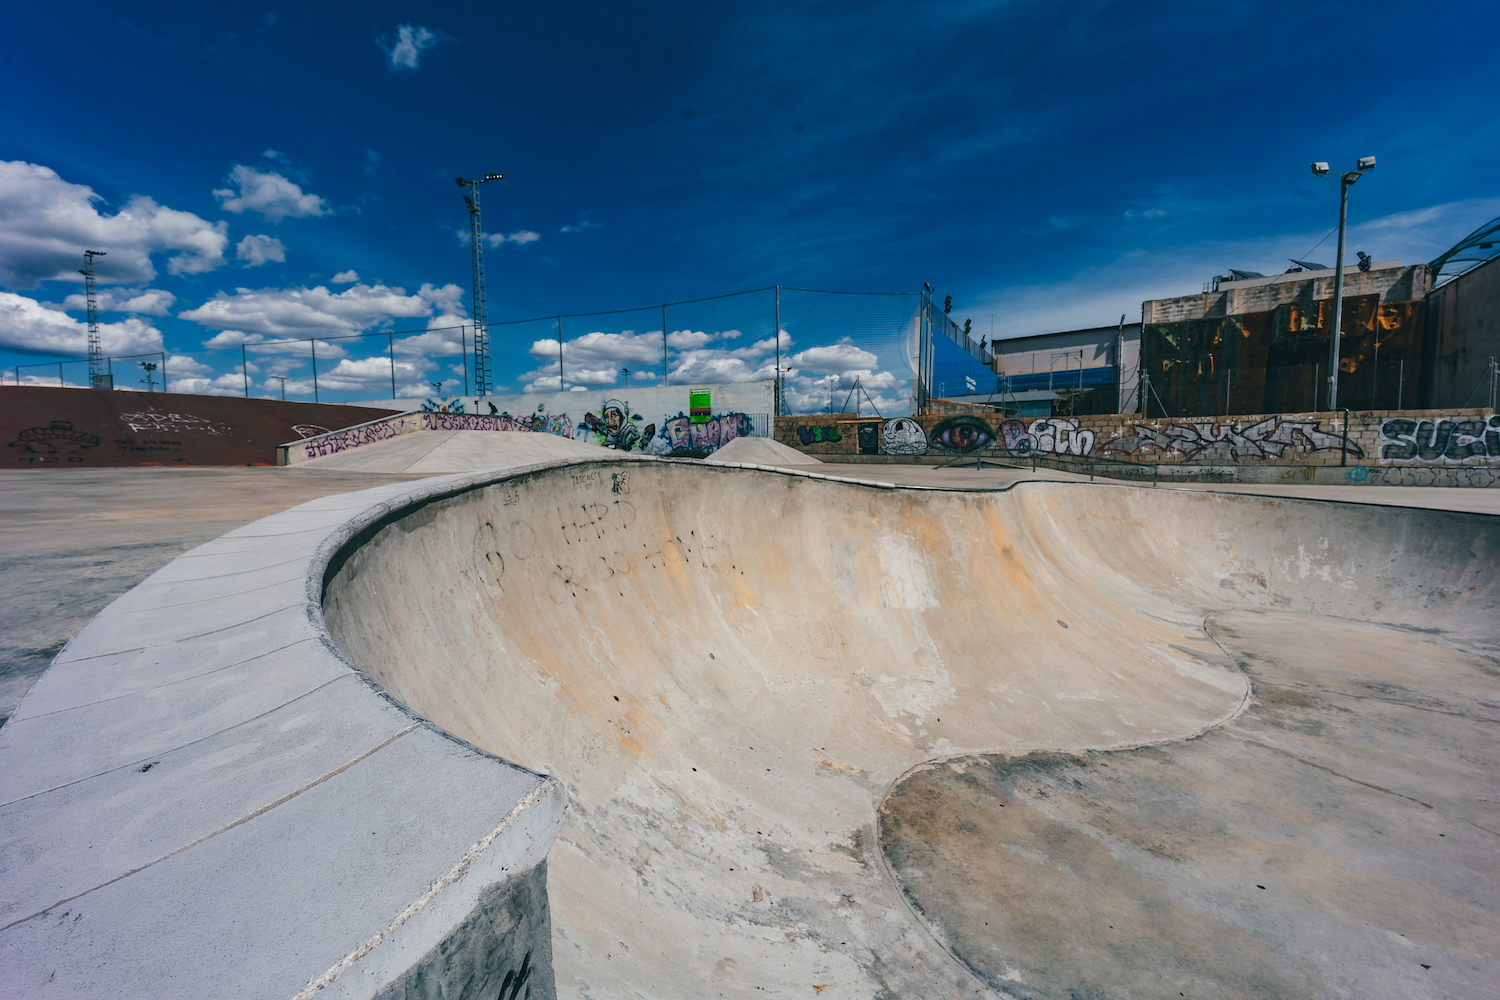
700, 405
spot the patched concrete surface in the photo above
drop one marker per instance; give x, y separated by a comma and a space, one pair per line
72, 540
730, 668
1336, 839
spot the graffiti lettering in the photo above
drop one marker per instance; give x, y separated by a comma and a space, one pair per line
1444, 440
818, 435
1019, 442
170, 423
332, 444
1215, 442
1062, 436
683, 437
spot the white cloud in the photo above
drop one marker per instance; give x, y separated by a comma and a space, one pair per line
843, 356
411, 42
185, 365
307, 312
346, 277
270, 194
145, 301
520, 236
29, 326
582, 226
46, 223
258, 250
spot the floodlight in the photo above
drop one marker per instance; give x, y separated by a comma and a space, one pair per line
496, 177
460, 181
1365, 163
1320, 168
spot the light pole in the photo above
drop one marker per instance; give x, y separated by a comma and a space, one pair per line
282, 380
482, 382
1345, 183
149, 367
626, 373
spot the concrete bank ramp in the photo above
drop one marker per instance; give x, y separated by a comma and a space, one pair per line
439, 452
730, 669
762, 451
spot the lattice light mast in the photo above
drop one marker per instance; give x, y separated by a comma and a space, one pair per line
482, 380
97, 378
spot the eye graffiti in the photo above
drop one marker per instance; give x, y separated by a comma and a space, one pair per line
962, 434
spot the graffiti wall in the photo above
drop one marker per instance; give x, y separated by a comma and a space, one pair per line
1443, 439
1469, 437
653, 420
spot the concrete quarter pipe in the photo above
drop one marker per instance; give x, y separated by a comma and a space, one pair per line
827, 740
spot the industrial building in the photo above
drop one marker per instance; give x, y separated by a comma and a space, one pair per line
1418, 336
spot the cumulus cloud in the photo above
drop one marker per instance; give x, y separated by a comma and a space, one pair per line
520, 236
595, 359
144, 301
406, 52
582, 226
308, 312
258, 250
346, 277
270, 194
30, 327
46, 223
840, 357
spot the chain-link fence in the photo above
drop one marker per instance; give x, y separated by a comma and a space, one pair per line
820, 346
830, 344
1192, 389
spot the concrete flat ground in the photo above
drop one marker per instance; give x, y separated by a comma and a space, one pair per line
72, 540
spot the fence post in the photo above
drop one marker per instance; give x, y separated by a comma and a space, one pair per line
463, 350
664, 343
391, 346
313, 343
245, 370
164, 371
777, 334
562, 386
1315, 388
1344, 454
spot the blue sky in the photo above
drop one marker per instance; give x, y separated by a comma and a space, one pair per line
257, 172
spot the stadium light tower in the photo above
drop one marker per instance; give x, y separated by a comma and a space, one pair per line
482, 380
97, 378
1345, 183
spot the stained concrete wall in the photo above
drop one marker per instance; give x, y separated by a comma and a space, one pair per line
1391, 283
1463, 329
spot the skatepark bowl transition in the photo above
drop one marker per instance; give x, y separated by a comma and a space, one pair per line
806, 737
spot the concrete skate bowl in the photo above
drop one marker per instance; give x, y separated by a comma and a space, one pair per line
837, 740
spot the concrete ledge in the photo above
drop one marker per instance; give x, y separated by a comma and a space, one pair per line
202, 797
